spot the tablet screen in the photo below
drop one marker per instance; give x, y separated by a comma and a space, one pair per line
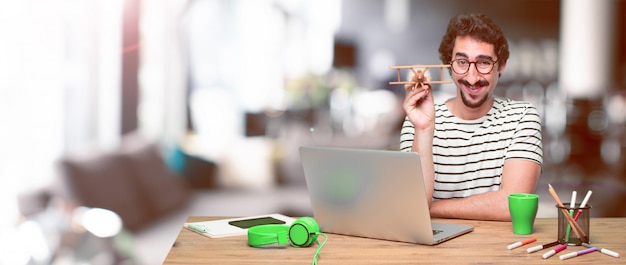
247, 223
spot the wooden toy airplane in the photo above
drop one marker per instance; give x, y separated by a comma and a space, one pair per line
419, 70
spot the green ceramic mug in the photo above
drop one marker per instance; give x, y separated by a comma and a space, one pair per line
523, 210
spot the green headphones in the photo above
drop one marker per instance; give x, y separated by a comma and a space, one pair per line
302, 233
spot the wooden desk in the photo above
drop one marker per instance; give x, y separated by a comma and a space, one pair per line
487, 244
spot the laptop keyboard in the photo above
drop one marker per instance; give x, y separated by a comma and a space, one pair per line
437, 232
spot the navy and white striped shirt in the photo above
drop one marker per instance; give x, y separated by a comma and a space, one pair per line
469, 155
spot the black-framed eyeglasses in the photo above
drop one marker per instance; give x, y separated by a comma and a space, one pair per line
462, 66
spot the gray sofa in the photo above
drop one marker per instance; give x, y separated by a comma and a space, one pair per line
151, 199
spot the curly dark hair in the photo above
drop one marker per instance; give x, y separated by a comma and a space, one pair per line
477, 26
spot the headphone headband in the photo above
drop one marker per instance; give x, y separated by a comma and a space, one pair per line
267, 234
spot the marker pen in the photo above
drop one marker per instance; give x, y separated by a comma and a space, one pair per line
603, 250
196, 228
571, 213
554, 251
521, 243
583, 204
579, 253
540, 247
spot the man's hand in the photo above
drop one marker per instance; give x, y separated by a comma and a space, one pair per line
419, 104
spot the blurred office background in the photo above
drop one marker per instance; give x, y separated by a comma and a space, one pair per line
159, 109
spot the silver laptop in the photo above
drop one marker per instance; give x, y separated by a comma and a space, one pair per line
372, 193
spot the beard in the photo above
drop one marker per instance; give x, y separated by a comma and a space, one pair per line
465, 98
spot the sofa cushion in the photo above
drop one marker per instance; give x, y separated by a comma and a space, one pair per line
104, 181
161, 189
133, 181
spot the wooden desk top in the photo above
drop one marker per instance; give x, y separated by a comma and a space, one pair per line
487, 244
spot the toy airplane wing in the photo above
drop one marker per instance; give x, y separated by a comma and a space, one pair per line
420, 71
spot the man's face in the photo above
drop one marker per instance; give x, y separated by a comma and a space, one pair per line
475, 88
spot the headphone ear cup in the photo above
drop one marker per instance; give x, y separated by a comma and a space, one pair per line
303, 232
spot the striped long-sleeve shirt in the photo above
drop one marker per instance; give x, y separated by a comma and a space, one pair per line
469, 155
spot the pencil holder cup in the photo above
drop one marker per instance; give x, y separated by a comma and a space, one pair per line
573, 224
